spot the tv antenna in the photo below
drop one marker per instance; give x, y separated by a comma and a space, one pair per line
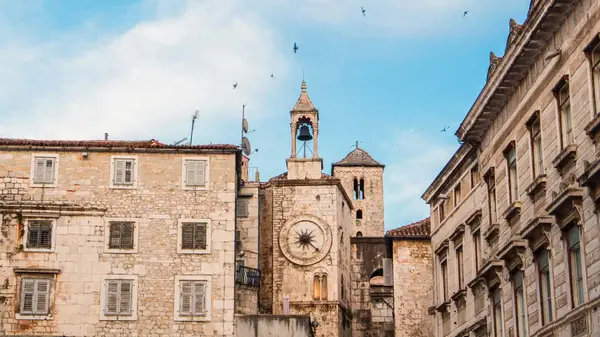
180, 141
194, 117
246, 147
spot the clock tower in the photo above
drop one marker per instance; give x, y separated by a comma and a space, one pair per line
305, 234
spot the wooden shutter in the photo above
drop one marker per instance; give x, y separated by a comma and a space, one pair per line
388, 274
114, 239
125, 297
33, 234
49, 171
127, 229
189, 173
187, 236
200, 298
199, 173
42, 294
39, 173
242, 207
200, 236
45, 234
185, 298
119, 177
27, 295
112, 297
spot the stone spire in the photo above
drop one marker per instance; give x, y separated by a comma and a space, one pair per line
304, 103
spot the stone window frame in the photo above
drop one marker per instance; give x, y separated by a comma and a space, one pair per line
567, 259
22, 274
537, 168
491, 190
558, 88
136, 226
320, 274
208, 298
207, 166
53, 225
592, 53
512, 186
32, 169
539, 287
501, 312
514, 297
134, 298
135, 173
180, 223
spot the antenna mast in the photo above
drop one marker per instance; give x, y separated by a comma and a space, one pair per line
194, 117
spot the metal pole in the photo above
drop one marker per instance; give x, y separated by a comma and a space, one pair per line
193, 120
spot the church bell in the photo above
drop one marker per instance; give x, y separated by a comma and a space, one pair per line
304, 134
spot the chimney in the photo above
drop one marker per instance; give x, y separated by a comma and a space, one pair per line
106, 136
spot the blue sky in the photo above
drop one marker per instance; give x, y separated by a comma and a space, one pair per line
137, 70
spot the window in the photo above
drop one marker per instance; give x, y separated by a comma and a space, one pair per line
444, 268
497, 312
564, 113
359, 215
192, 298
320, 287
442, 211
359, 234
477, 249
242, 207
193, 236
119, 297
121, 235
39, 235
474, 176
457, 195
544, 278
195, 173
511, 162
356, 189
459, 267
520, 307
575, 266
491, 182
362, 189
594, 56
123, 172
535, 134
35, 296
44, 170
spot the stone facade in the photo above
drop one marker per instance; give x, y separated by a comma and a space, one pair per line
79, 203
522, 201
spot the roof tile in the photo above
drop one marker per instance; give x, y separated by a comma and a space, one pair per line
417, 229
139, 144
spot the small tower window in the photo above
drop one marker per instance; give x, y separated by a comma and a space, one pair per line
358, 234
359, 215
362, 189
356, 190
320, 287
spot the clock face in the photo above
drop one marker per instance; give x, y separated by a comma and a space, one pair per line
305, 240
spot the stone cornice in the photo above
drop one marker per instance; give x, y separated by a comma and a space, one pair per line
314, 182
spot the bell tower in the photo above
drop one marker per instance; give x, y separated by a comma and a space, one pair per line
304, 161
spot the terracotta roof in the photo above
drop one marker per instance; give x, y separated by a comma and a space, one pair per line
418, 229
283, 176
358, 157
304, 103
138, 144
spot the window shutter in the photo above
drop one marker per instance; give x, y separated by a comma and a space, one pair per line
128, 178
189, 173
199, 298
127, 235
242, 210
119, 177
200, 236
187, 236
28, 290
45, 235
112, 294
42, 294
125, 297
33, 235
49, 171
388, 274
185, 301
199, 173
39, 170
114, 240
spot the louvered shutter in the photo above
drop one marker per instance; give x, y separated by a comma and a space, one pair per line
49, 171
119, 177
185, 299
33, 235
41, 296
189, 173
127, 235
200, 236
242, 208
39, 172
27, 296
187, 236
45, 235
125, 298
388, 274
112, 295
199, 298
199, 173
114, 235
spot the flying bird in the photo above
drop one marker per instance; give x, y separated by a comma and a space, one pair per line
363, 10
445, 129
235, 85
465, 13
272, 76
295, 48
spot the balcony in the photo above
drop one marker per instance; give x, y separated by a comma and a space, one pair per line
247, 276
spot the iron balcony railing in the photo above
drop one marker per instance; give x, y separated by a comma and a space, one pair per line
247, 276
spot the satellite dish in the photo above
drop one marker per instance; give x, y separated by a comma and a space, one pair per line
246, 146
245, 125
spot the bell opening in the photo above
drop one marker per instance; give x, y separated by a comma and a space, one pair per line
305, 136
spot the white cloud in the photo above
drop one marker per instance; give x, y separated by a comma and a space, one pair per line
418, 161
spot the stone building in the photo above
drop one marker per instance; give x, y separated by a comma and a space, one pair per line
514, 212
117, 238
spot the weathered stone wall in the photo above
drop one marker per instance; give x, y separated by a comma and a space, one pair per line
272, 326
412, 288
246, 296
81, 204
372, 205
266, 237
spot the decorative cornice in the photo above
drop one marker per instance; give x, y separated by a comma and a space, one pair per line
537, 185
494, 61
515, 30
565, 156
513, 210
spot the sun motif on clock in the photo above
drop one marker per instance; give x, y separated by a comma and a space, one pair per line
305, 240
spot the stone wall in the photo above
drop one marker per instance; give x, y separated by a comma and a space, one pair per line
265, 305
81, 204
412, 288
372, 205
272, 326
247, 250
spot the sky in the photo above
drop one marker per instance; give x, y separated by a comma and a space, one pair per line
391, 79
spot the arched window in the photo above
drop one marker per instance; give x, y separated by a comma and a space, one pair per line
362, 189
358, 234
359, 214
356, 189
320, 287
